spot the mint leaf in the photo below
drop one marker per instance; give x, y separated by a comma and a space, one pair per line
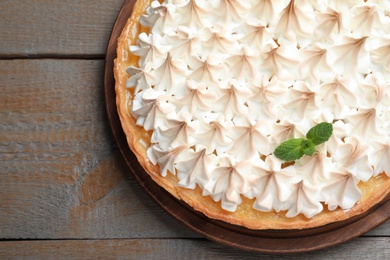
308, 147
295, 148
290, 150
320, 133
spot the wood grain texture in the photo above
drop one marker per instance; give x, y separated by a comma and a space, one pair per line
61, 175
52, 28
360, 248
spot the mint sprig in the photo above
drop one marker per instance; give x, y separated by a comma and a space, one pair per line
293, 149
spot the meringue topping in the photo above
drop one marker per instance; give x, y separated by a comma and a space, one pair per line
221, 83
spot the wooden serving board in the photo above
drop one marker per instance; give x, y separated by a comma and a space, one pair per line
267, 241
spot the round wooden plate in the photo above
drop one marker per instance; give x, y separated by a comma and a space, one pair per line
267, 241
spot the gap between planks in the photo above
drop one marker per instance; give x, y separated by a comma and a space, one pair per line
52, 57
361, 248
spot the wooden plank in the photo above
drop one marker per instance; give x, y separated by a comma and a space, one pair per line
50, 28
361, 248
61, 175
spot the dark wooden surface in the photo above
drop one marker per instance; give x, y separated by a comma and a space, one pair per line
65, 189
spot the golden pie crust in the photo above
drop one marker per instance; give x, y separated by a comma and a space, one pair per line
374, 191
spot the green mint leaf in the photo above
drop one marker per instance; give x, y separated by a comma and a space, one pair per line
308, 147
320, 133
295, 148
290, 150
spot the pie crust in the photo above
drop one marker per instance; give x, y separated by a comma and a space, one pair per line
374, 191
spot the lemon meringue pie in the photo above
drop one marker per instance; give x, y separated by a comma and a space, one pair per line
207, 89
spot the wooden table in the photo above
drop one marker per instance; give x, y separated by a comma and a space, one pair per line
64, 188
